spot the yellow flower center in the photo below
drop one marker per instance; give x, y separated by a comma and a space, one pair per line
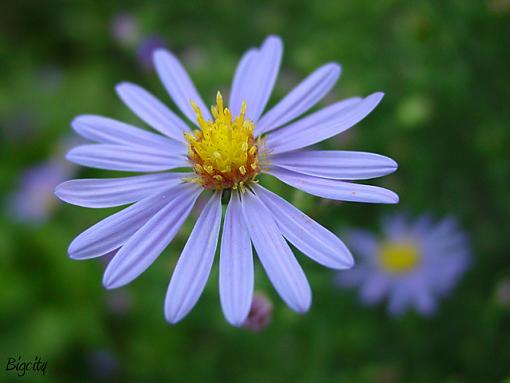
399, 257
223, 152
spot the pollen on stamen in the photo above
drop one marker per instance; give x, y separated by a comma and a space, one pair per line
224, 152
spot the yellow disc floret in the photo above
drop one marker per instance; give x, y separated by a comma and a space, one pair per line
399, 257
223, 152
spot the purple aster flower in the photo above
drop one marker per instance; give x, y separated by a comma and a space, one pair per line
413, 264
33, 201
224, 151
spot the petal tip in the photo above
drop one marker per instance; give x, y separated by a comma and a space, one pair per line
161, 54
73, 252
302, 307
110, 281
124, 87
393, 198
378, 96
236, 319
334, 67
172, 317
235, 322
274, 39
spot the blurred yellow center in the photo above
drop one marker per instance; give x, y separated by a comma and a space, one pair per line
399, 257
223, 152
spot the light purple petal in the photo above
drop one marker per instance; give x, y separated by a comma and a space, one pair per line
374, 289
152, 111
424, 301
194, 265
110, 192
124, 158
242, 80
275, 255
304, 96
142, 249
308, 236
336, 164
236, 265
396, 227
108, 131
323, 124
363, 243
399, 299
113, 231
352, 277
255, 78
334, 189
178, 83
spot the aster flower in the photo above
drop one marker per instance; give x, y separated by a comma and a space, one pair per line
413, 264
224, 151
33, 201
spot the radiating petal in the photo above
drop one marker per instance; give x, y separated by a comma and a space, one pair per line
236, 265
275, 255
374, 288
334, 189
336, 164
142, 249
308, 236
364, 244
424, 300
178, 83
110, 192
396, 227
108, 131
113, 231
323, 124
125, 158
399, 298
304, 96
152, 111
242, 80
194, 265
259, 69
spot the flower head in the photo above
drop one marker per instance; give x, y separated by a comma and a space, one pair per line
33, 201
224, 151
413, 264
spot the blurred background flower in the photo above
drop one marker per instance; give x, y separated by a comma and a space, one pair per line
413, 264
33, 200
444, 119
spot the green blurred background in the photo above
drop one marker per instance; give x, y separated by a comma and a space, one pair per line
444, 68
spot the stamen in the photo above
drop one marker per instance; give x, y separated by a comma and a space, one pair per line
224, 152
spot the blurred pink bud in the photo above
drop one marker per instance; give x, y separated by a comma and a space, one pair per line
260, 313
